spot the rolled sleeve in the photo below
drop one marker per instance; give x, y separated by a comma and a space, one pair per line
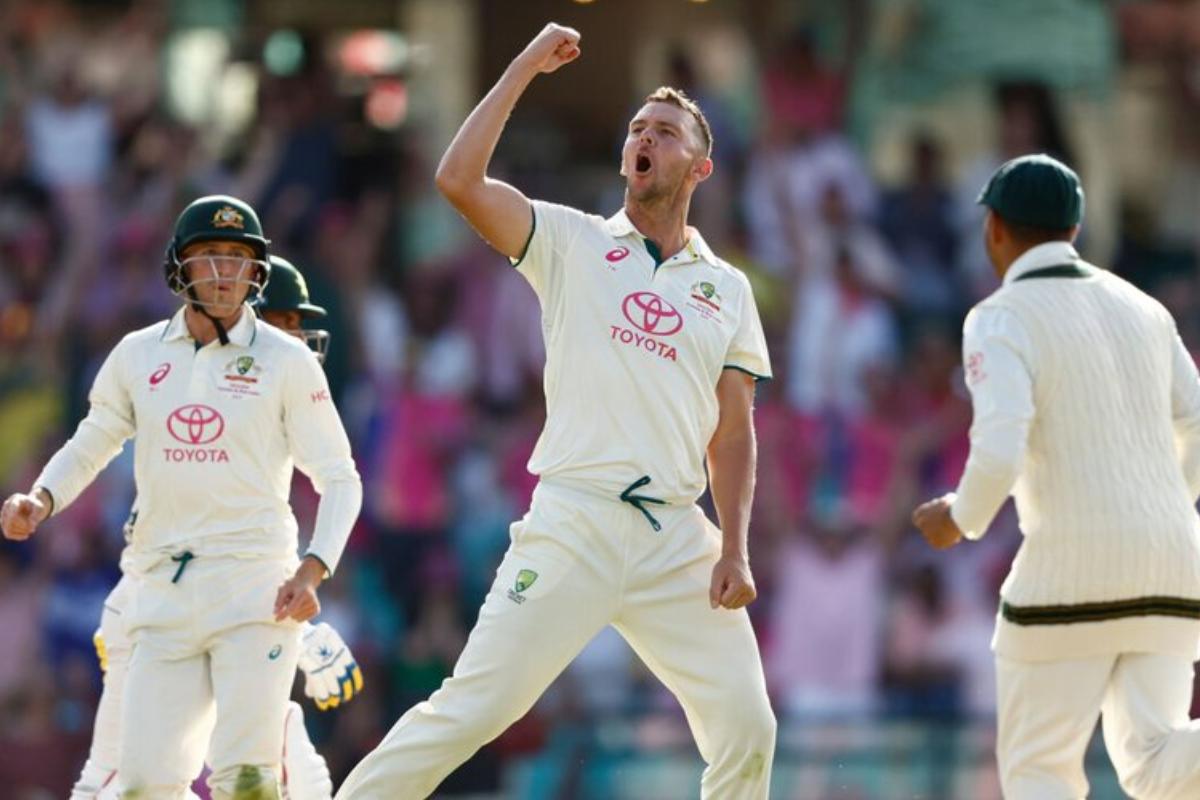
747, 350
97, 440
319, 445
996, 361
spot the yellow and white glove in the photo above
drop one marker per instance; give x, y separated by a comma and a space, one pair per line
101, 650
331, 675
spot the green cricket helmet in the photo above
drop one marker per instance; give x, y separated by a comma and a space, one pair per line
288, 291
216, 218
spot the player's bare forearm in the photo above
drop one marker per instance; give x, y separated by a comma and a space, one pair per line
731, 462
499, 212
732, 454
466, 160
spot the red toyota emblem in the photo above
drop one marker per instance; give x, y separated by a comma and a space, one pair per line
617, 253
159, 374
648, 312
195, 424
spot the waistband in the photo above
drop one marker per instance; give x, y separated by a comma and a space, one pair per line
629, 495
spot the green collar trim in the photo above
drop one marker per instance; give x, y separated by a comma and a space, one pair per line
1057, 271
654, 252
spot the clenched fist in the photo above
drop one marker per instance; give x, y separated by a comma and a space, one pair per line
554, 46
935, 523
21, 514
297, 597
732, 585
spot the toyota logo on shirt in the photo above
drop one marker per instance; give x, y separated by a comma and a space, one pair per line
649, 313
195, 424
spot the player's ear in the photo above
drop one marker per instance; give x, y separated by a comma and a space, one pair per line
702, 169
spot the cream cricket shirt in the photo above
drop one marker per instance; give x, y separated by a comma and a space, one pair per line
1087, 410
218, 429
633, 352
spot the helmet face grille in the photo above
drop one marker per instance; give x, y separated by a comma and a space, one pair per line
186, 275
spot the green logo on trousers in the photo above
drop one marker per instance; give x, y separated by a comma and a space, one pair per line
525, 579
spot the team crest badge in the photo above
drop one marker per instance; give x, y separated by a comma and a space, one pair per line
241, 374
525, 579
705, 298
228, 217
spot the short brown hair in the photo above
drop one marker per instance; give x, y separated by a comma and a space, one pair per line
677, 98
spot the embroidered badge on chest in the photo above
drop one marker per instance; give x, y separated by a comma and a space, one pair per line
704, 298
241, 376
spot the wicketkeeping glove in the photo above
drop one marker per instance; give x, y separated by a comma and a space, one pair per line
331, 676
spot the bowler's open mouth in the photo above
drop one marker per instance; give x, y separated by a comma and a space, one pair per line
642, 164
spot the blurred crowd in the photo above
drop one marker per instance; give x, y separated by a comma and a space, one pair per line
435, 365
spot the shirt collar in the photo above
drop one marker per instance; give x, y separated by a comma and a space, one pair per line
1047, 254
695, 249
242, 333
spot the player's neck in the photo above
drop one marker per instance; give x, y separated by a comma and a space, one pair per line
664, 223
201, 327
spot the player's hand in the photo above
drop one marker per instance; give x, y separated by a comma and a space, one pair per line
732, 584
331, 676
297, 598
935, 523
21, 514
554, 46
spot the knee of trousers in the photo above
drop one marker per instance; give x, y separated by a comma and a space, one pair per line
479, 714
748, 726
1146, 777
135, 792
245, 782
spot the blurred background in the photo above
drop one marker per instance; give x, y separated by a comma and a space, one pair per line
852, 137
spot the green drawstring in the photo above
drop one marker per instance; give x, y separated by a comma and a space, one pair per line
182, 560
636, 501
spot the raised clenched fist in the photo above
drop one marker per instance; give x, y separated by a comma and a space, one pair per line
554, 46
20, 516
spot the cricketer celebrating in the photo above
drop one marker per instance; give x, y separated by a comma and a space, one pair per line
653, 346
1087, 410
222, 406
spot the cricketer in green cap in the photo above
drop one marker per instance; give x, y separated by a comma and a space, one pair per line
217, 259
285, 303
1031, 200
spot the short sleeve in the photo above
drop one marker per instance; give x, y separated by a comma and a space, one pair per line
748, 347
554, 228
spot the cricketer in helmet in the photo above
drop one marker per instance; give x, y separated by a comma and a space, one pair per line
286, 305
217, 259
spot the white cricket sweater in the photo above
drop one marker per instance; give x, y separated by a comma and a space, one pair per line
1087, 409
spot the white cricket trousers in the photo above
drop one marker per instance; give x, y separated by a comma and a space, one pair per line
305, 774
207, 639
1047, 712
576, 563
100, 771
